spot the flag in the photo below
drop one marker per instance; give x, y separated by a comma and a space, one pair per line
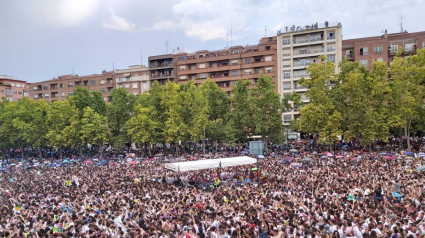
18, 208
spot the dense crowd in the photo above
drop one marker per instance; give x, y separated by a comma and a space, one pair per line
331, 197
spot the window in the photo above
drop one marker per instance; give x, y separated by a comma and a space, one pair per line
379, 59
126, 85
201, 66
144, 85
35, 96
257, 71
331, 35
247, 71
330, 48
378, 50
235, 73
267, 48
183, 77
70, 93
363, 62
287, 119
180, 58
135, 85
45, 87
25, 94
286, 41
234, 83
12, 84
234, 62
247, 60
408, 47
102, 82
202, 76
287, 86
86, 83
18, 85
286, 75
46, 95
363, 51
268, 69
331, 58
213, 65
62, 94
423, 44
302, 51
268, 58
34, 89
235, 52
394, 49
70, 85
182, 68
93, 82
103, 90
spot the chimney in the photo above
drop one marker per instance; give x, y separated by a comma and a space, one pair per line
177, 48
386, 34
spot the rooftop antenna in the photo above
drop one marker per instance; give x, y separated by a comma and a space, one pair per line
166, 46
265, 31
227, 47
401, 24
141, 58
73, 72
113, 67
231, 34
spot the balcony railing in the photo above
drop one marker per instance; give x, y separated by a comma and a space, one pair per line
308, 40
301, 76
161, 75
349, 56
330, 37
161, 65
308, 52
299, 64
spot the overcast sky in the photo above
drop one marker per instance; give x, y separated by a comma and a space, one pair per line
41, 39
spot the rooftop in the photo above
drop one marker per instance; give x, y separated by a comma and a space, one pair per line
306, 28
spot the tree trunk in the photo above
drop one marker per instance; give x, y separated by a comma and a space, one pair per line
407, 135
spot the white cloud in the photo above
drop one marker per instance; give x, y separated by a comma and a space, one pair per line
167, 25
118, 23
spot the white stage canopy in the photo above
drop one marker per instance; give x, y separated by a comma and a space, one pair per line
210, 163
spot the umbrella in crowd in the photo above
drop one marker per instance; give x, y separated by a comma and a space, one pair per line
89, 162
420, 168
261, 156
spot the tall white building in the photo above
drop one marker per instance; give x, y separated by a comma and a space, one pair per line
299, 46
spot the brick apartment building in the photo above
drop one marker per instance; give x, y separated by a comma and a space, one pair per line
63, 86
135, 79
162, 68
227, 66
12, 89
382, 48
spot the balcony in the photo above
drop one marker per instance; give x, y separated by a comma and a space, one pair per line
161, 65
301, 76
349, 56
311, 40
378, 52
308, 52
301, 65
330, 37
162, 76
392, 51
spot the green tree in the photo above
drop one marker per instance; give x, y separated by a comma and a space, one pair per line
94, 128
154, 100
83, 97
407, 91
60, 116
175, 129
267, 110
241, 112
200, 118
142, 127
38, 125
320, 115
119, 111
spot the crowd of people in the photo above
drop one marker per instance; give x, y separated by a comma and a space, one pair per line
332, 197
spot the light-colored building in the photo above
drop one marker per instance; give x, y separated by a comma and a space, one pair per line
12, 89
135, 79
297, 47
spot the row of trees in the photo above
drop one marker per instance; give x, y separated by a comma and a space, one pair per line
362, 104
175, 113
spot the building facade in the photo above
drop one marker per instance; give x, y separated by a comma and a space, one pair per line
382, 48
227, 66
298, 47
64, 86
12, 89
135, 79
162, 68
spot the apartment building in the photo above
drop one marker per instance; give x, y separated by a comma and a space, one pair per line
162, 68
12, 89
63, 86
298, 47
135, 79
382, 48
227, 66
